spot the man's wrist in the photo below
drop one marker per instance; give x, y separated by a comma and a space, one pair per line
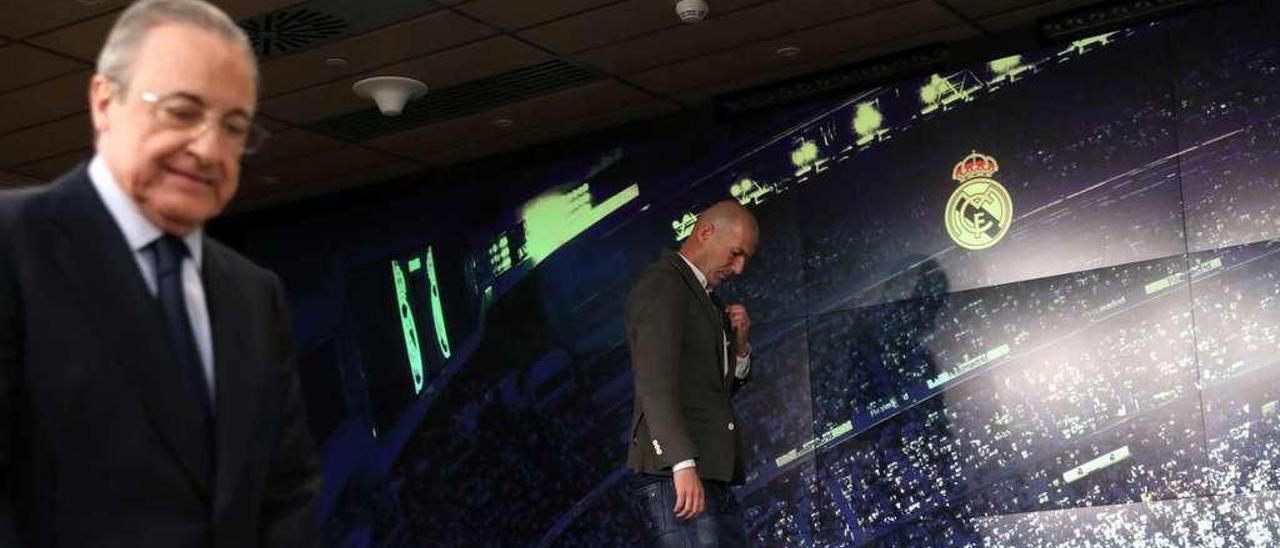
684, 464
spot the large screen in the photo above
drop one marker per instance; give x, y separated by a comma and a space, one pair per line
1029, 302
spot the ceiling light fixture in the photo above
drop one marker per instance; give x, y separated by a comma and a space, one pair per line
692, 11
390, 92
787, 51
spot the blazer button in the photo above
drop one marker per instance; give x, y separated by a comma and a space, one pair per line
731, 426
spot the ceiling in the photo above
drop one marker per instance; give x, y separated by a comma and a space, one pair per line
551, 68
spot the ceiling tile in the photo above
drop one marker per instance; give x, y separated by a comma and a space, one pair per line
603, 26
809, 66
576, 103
292, 143
526, 136
580, 102
985, 8
1029, 15
25, 65
45, 101
54, 167
758, 62
240, 9
510, 15
24, 18
45, 141
413, 38
444, 69
744, 26
83, 40
618, 21
683, 42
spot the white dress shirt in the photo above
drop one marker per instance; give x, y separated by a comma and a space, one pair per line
140, 233
742, 367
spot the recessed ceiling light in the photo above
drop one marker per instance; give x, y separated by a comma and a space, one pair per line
336, 62
504, 123
787, 51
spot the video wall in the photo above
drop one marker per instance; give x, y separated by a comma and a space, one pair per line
1028, 302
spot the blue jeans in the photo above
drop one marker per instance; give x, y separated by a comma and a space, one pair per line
719, 525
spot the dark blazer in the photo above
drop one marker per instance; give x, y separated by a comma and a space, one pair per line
682, 402
100, 444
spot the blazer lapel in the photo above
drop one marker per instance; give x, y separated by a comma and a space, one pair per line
728, 353
95, 258
709, 311
236, 386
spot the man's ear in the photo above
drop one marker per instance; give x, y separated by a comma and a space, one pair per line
102, 92
705, 232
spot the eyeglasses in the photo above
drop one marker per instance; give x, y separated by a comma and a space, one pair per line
185, 112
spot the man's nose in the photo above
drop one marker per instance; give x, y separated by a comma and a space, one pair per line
204, 143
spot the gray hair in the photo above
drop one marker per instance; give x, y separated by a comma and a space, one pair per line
115, 61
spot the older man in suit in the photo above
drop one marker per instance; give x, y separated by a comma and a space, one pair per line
148, 394
689, 354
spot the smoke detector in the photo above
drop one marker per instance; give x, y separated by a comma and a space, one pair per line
692, 11
390, 92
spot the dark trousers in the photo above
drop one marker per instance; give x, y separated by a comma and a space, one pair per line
720, 525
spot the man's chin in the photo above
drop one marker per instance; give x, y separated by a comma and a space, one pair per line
181, 216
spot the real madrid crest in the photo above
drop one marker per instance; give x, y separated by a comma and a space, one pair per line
980, 211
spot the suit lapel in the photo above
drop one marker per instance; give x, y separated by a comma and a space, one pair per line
237, 394
728, 353
93, 254
709, 311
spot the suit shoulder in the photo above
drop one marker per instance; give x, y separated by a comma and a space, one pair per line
239, 264
17, 207
14, 203
658, 277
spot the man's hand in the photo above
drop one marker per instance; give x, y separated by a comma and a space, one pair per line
690, 500
741, 323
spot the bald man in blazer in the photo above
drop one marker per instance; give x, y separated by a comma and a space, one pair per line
689, 354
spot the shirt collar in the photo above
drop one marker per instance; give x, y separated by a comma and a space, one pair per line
138, 231
702, 278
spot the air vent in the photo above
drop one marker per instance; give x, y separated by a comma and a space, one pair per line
291, 29
462, 99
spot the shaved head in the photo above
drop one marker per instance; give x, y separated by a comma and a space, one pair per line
722, 241
726, 214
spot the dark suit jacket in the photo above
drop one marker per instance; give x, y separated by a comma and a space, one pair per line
100, 444
682, 403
